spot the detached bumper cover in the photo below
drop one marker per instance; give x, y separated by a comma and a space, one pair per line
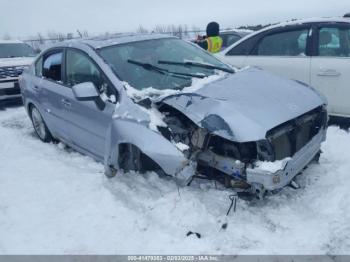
294, 166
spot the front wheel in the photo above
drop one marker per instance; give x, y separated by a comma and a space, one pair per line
129, 160
39, 125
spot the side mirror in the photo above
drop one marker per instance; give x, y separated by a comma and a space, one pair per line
85, 91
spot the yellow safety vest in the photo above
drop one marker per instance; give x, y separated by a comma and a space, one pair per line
214, 44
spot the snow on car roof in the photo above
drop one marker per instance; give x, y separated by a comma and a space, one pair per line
10, 42
107, 40
104, 41
314, 20
236, 31
306, 21
291, 23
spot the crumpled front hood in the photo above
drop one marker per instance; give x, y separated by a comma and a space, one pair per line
16, 61
244, 106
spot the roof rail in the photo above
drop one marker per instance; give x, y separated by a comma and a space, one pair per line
347, 15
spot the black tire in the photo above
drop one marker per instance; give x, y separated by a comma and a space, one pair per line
316, 158
40, 126
130, 158
110, 172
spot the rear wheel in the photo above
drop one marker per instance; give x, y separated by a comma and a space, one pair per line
39, 125
316, 158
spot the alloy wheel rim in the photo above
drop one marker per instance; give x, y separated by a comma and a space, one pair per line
38, 123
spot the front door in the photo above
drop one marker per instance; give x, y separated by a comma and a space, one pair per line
89, 120
283, 53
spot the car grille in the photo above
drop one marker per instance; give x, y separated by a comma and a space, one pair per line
290, 137
10, 71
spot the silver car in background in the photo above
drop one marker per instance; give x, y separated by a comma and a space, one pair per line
14, 57
153, 102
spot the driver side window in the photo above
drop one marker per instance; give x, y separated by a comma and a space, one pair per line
80, 69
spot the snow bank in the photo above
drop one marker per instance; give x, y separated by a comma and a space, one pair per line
57, 201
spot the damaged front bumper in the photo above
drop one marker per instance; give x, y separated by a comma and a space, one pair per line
281, 178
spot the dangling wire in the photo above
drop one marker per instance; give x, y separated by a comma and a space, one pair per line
233, 204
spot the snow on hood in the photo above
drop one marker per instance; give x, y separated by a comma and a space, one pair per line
157, 94
16, 61
244, 106
156, 117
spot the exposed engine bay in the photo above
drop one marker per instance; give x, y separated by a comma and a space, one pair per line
227, 161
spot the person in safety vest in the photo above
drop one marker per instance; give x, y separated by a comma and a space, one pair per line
212, 42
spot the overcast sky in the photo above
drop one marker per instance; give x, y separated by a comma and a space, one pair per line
24, 18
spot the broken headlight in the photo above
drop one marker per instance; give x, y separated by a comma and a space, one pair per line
245, 152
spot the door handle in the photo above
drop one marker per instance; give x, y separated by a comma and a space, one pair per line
36, 88
66, 103
328, 72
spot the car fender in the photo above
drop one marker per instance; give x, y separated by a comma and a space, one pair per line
150, 142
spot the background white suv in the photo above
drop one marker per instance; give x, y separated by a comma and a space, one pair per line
314, 51
14, 57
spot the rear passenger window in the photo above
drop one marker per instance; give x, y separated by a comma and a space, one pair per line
290, 43
52, 66
334, 41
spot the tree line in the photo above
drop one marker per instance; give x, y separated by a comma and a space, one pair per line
184, 31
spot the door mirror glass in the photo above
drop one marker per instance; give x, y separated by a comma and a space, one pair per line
85, 91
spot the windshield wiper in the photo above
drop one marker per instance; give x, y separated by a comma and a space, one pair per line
150, 67
196, 64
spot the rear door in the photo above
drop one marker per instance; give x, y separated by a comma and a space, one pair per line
330, 67
284, 52
51, 92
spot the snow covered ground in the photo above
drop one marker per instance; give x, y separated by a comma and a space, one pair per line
56, 201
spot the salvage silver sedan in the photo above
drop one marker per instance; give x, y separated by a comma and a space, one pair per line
152, 102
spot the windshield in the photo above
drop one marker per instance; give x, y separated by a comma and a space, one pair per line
141, 64
16, 50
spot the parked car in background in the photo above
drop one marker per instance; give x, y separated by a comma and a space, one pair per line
313, 51
136, 102
14, 57
230, 37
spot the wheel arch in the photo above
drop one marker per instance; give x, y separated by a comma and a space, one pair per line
150, 143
